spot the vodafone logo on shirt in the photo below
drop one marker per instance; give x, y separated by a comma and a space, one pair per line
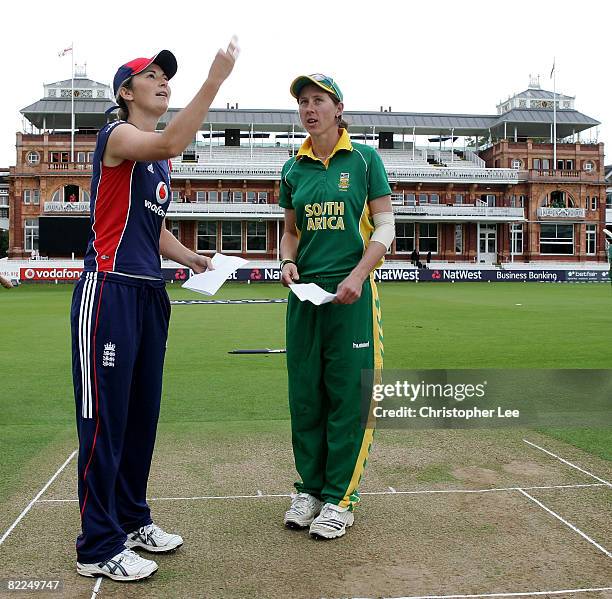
50, 274
161, 193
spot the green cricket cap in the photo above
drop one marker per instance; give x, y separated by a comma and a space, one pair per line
325, 82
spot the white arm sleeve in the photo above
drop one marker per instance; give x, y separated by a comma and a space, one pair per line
384, 228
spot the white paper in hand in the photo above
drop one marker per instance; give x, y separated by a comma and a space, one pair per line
312, 292
210, 281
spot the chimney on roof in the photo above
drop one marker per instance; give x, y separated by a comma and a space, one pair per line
381, 109
389, 109
228, 106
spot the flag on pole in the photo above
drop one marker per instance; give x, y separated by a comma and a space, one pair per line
65, 51
553, 69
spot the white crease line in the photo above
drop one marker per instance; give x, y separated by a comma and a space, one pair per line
27, 509
574, 528
601, 480
393, 492
525, 594
96, 588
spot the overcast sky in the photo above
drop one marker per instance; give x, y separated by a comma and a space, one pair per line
440, 56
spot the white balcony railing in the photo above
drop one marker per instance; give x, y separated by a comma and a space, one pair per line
395, 173
226, 171
462, 212
444, 174
66, 207
224, 209
561, 212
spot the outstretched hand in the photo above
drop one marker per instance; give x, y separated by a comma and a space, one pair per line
224, 62
201, 263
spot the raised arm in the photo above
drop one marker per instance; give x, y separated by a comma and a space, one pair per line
129, 143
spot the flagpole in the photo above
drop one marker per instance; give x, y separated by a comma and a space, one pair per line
72, 108
554, 115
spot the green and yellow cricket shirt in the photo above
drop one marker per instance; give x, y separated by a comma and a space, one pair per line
330, 200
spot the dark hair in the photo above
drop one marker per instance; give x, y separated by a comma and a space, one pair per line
123, 113
342, 124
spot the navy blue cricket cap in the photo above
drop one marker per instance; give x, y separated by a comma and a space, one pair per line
164, 59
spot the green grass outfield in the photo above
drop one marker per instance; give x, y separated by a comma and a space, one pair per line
458, 325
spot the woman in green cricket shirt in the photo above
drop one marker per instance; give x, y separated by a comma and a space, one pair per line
338, 226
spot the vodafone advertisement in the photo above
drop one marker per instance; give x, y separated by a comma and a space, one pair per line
37, 273
53, 274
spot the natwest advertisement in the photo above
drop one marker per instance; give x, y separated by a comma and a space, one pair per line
49, 274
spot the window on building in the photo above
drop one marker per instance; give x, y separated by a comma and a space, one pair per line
609, 199
207, 236
537, 165
589, 166
81, 156
594, 203
517, 164
459, 199
33, 158
557, 239
176, 196
59, 157
410, 199
397, 199
569, 165
213, 196
90, 156
458, 239
200, 196
251, 197
545, 164
428, 238
226, 196
31, 196
85, 197
237, 196
189, 156
516, 239
404, 237
256, 236
31, 234
262, 197
173, 227
231, 236
422, 198
591, 239
489, 198
434, 198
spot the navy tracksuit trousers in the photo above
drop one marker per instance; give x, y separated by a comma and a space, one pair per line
119, 332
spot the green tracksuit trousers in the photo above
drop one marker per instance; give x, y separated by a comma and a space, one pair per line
327, 348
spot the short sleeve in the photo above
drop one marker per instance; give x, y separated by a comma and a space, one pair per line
284, 198
378, 184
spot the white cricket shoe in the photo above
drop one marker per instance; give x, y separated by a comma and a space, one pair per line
332, 522
123, 567
304, 509
152, 538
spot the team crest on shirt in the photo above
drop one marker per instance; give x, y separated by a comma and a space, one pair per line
343, 183
161, 193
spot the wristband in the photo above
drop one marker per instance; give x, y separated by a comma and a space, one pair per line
286, 261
